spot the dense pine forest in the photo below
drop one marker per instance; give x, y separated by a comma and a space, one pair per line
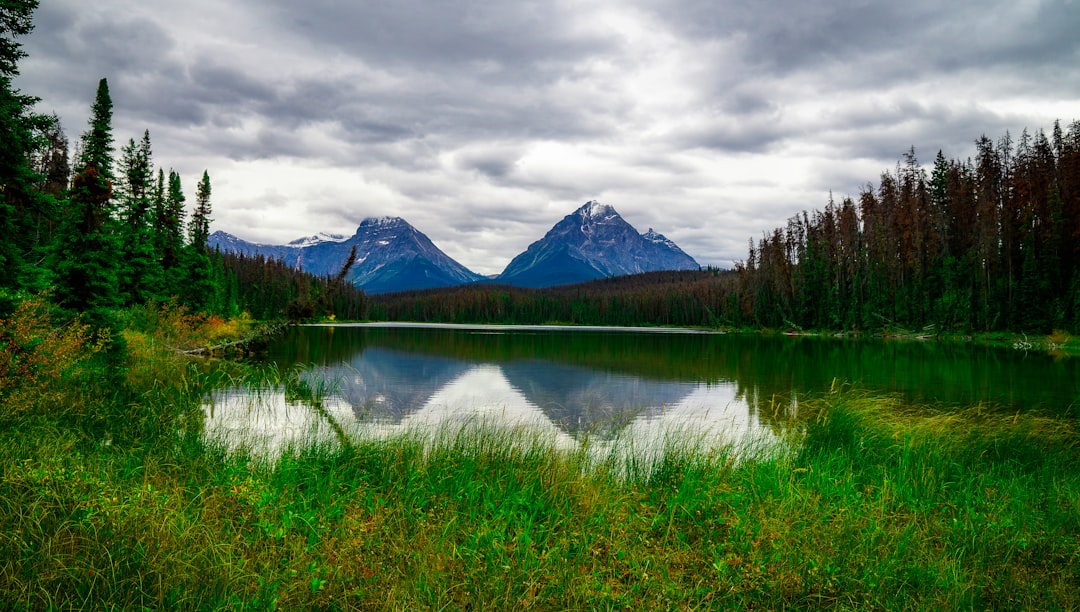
990, 244
101, 232
681, 298
986, 244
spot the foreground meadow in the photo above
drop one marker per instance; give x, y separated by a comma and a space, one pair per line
111, 497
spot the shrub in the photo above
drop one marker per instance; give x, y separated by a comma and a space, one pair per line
44, 368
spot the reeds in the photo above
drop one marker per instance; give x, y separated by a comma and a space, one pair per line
874, 504
931, 511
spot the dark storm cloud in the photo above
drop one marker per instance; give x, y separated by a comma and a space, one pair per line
220, 85
792, 35
496, 163
518, 41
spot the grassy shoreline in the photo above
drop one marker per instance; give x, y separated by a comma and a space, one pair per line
932, 512
118, 502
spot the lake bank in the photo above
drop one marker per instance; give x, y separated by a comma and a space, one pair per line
1058, 343
113, 497
924, 512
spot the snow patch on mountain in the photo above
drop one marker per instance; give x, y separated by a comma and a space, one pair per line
376, 222
319, 238
658, 238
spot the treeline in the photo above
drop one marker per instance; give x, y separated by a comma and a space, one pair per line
989, 244
103, 233
986, 244
682, 298
269, 289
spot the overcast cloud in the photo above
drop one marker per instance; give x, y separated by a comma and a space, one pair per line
483, 123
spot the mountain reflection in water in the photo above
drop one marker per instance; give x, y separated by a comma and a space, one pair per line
605, 385
380, 391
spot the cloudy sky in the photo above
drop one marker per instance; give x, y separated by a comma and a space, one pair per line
484, 122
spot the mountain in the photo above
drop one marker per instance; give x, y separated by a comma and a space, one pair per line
590, 243
228, 243
319, 238
391, 255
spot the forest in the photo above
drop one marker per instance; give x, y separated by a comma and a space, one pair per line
984, 244
977, 245
990, 244
98, 232
676, 298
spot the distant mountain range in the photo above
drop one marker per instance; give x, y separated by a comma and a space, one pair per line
593, 242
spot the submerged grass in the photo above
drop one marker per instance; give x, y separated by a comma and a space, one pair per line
875, 505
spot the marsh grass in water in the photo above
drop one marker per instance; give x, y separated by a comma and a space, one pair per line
875, 504
930, 512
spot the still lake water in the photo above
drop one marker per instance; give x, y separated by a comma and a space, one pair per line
613, 386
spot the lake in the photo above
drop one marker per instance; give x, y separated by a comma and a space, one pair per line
627, 387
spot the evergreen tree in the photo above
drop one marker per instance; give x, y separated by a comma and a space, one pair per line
160, 218
200, 220
139, 275
198, 290
97, 142
168, 233
20, 202
50, 163
87, 254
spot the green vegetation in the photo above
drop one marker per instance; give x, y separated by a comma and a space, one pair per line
104, 235
111, 497
974, 246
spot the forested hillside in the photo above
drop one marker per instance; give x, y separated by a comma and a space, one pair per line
102, 232
682, 298
989, 244
986, 244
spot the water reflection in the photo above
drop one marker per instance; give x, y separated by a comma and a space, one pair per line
611, 386
266, 421
385, 384
386, 392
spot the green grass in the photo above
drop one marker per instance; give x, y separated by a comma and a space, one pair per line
875, 505
932, 512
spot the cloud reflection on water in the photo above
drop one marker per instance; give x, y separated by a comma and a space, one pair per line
706, 414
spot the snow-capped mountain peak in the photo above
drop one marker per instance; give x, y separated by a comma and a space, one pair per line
593, 242
373, 222
597, 211
317, 239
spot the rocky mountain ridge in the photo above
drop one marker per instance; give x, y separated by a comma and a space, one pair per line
592, 242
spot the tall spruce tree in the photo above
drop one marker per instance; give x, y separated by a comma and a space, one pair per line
88, 249
140, 273
20, 201
199, 231
198, 290
168, 231
97, 142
